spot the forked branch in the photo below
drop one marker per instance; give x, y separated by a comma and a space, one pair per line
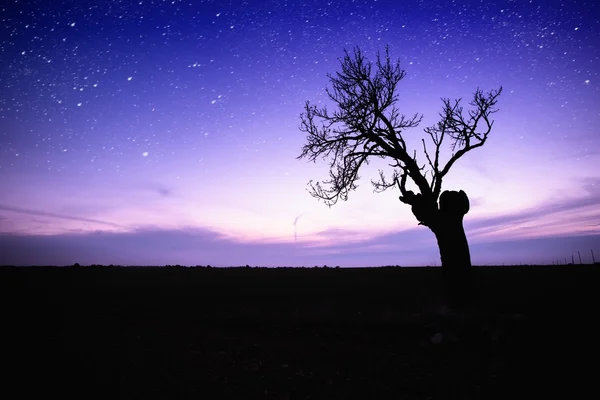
366, 123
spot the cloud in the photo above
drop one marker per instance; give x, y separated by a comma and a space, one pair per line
415, 246
295, 226
195, 246
55, 215
576, 212
163, 191
190, 246
142, 247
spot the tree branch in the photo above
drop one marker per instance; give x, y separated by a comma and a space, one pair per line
464, 132
366, 124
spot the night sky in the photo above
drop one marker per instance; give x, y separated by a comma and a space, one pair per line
166, 132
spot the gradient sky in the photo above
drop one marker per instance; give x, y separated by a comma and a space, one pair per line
166, 132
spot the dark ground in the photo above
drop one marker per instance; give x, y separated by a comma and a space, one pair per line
297, 333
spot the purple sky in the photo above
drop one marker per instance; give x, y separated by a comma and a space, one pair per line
166, 132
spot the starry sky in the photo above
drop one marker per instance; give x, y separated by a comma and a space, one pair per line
158, 132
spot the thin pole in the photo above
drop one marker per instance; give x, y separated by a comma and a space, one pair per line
579, 254
593, 259
572, 259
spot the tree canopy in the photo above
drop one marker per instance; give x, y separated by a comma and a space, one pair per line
366, 123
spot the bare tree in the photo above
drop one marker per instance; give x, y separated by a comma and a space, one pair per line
366, 124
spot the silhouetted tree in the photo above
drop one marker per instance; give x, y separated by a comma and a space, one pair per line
366, 124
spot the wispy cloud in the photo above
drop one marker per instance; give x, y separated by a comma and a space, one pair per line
55, 215
572, 213
295, 227
162, 190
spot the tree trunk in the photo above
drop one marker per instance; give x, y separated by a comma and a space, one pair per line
446, 222
454, 249
456, 264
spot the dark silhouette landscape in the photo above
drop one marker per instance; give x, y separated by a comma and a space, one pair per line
294, 333
153, 132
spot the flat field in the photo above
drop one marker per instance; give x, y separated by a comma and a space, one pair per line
258, 333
